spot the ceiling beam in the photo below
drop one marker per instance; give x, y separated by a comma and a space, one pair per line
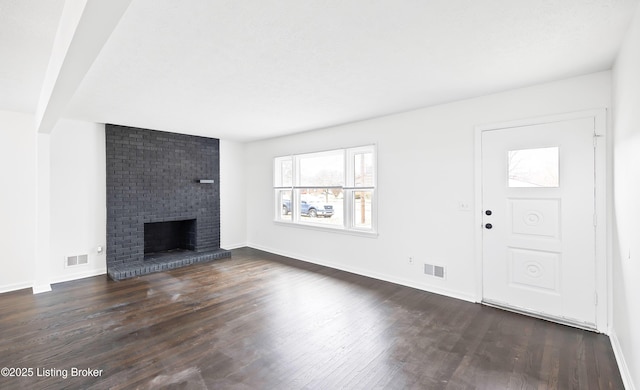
85, 26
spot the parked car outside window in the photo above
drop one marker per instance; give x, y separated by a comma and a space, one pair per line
311, 208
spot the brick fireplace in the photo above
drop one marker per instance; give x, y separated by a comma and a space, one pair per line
163, 201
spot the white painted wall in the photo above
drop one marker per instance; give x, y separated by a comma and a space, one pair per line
18, 189
78, 198
233, 214
52, 202
426, 165
626, 220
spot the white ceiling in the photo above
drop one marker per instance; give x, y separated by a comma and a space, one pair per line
27, 31
245, 70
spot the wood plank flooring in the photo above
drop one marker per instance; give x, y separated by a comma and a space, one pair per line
261, 321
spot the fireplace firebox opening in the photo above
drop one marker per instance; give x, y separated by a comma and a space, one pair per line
171, 235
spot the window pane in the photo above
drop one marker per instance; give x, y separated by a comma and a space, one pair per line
363, 169
322, 169
362, 209
534, 167
284, 200
283, 172
334, 189
322, 206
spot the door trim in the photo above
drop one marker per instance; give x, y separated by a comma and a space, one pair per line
602, 204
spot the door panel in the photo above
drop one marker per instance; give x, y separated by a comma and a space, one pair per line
537, 217
539, 252
535, 269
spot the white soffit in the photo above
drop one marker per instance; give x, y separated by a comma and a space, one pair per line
245, 70
85, 25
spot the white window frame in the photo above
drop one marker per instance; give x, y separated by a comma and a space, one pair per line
349, 188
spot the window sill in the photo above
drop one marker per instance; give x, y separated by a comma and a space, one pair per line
339, 230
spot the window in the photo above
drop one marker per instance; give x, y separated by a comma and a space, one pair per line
534, 167
334, 189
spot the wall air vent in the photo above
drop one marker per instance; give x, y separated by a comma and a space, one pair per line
436, 271
77, 260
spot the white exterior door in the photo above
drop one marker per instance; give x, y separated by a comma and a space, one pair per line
538, 236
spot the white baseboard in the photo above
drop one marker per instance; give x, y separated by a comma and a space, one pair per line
622, 363
370, 274
46, 287
79, 275
233, 246
15, 286
41, 288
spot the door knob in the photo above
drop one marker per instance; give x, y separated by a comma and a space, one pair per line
488, 212
488, 226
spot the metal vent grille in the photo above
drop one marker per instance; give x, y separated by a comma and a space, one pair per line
77, 260
428, 269
436, 271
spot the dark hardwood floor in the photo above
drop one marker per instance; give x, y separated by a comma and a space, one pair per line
261, 321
